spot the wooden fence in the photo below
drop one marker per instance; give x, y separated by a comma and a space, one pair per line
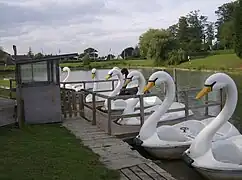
73, 104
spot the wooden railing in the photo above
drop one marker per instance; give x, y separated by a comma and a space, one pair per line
74, 103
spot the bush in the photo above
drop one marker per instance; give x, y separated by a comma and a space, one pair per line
86, 60
176, 57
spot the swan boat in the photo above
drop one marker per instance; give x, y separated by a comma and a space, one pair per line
118, 104
96, 87
75, 87
148, 101
221, 160
169, 142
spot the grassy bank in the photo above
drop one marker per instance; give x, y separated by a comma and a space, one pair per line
48, 152
216, 62
225, 62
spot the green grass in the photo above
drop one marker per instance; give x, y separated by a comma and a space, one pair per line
216, 62
110, 64
48, 152
219, 61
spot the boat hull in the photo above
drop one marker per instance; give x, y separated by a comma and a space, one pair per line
219, 174
213, 174
167, 152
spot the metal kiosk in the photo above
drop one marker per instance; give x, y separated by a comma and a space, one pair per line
38, 89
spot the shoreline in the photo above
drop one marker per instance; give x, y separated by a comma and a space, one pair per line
232, 71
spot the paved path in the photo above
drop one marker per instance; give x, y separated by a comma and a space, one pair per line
115, 153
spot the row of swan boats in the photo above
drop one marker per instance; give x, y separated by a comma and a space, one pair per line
213, 146
128, 106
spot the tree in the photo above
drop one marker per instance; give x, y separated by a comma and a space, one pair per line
226, 35
144, 41
173, 29
136, 52
210, 34
238, 29
183, 32
197, 24
110, 56
127, 52
93, 53
39, 55
30, 53
86, 60
160, 45
225, 13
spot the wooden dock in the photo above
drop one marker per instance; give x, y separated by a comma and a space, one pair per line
115, 153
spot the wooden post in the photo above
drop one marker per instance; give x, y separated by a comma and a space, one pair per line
10, 88
74, 104
81, 104
186, 104
69, 105
206, 102
94, 108
20, 103
64, 101
109, 116
142, 115
175, 81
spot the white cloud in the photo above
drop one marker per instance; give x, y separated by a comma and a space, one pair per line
73, 25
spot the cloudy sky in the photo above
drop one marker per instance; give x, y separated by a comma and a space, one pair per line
73, 25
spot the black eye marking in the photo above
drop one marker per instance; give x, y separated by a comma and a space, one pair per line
111, 74
130, 78
210, 85
153, 80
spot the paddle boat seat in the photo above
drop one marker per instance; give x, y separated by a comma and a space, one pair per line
227, 152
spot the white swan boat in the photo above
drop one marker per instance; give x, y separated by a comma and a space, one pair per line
148, 101
75, 87
118, 104
170, 142
221, 160
96, 87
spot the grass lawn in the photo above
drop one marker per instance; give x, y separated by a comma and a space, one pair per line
48, 152
111, 64
216, 62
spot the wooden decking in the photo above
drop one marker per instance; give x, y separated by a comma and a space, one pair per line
115, 153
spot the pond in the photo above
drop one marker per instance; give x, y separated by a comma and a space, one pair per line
185, 79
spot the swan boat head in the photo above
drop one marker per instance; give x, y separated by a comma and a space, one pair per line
203, 141
135, 75
94, 71
114, 72
66, 69
150, 125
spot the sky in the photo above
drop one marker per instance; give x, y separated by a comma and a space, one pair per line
73, 25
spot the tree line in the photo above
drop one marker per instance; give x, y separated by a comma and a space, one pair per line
194, 35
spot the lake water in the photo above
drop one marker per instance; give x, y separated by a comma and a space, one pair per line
185, 79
